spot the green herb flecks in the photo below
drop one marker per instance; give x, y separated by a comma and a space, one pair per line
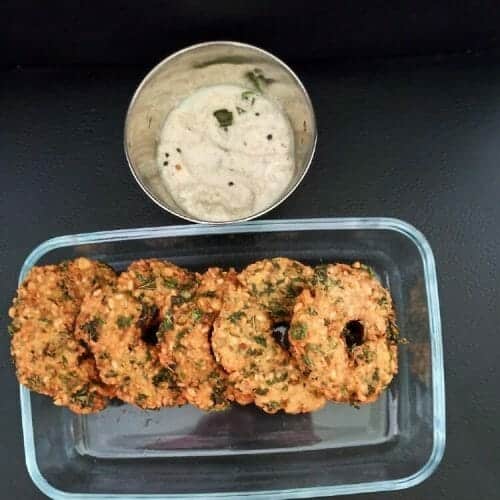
236, 316
298, 331
321, 278
254, 352
124, 321
224, 117
260, 340
34, 382
170, 282
382, 301
146, 282
277, 379
83, 397
177, 300
249, 95
277, 310
178, 339
166, 324
276, 264
91, 328
197, 314
261, 391
307, 361
185, 294
269, 288
140, 399
64, 265
164, 375
65, 291
392, 332
369, 270
249, 371
367, 355
272, 405
12, 329
218, 395
240, 110
320, 275
258, 80
148, 313
293, 289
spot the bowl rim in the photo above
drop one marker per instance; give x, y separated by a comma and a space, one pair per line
197, 46
310, 224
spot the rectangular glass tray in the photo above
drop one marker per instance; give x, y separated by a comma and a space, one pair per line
394, 443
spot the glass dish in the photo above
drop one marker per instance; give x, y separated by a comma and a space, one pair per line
394, 443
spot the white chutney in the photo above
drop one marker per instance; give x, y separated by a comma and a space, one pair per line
226, 152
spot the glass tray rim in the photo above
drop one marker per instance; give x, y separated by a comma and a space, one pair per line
310, 224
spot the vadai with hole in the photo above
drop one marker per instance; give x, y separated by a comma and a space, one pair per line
49, 359
258, 366
185, 342
117, 326
343, 333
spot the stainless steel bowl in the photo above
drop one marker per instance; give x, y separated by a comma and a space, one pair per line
178, 76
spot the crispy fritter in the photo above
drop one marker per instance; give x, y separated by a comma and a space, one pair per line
115, 324
343, 333
48, 357
258, 366
184, 341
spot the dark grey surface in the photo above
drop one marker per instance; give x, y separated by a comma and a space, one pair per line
131, 32
414, 139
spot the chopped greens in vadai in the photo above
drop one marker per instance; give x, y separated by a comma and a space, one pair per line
184, 341
49, 358
258, 366
116, 325
343, 333
280, 334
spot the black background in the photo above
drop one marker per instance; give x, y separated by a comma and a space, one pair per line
143, 32
407, 97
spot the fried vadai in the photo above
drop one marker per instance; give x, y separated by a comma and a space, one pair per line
184, 342
117, 326
342, 333
258, 366
49, 359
